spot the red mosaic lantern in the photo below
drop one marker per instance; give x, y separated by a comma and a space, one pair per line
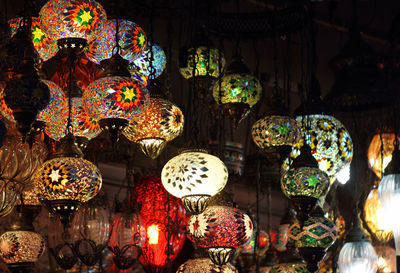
221, 230
152, 199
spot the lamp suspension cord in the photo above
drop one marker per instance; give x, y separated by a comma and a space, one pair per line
151, 42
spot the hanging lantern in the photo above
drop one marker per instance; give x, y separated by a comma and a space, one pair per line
380, 143
262, 244
164, 220
304, 183
115, 98
21, 246
132, 41
127, 238
237, 91
377, 218
204, 265
357, 254
45, 47
91, 229
282, 235
221, 230
314, 238
208, 61
290, 261
158, 124
140, 67
8, 197
72, 22
67, 180
194, 176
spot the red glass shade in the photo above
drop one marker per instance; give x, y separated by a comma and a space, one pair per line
152, 199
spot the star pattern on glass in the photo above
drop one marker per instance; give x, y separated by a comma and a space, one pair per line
55, 175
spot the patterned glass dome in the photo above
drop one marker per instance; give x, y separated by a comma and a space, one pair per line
72, 19
204, 265
305, 181
209, 62
115, 97
132, 41
330, 143
45, 47
220, 226
141, 66
68, 178
275, 131
21, 246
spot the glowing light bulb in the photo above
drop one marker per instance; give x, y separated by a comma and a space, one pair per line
344, 175
152, 234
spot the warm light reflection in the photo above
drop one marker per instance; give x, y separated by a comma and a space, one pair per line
343, 175
153, 234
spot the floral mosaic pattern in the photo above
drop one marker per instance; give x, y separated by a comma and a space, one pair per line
82, 124
115, 97
204, 265
208, 61
45, 47
72, 19
192, 173
316, 232
21, 246
132, 41
237, 88
68, 178
161, 119
276, 131
142, 67
311, 182
56, 104
220, 226
330, 143
289, 268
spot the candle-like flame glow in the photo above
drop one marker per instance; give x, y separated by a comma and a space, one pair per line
152, 234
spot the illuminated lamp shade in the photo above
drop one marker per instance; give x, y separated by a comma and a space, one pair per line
274, 131
21, 246
204, 265
330, 143
127, 238
67, 180
377, 218
237, 91
45, 47
132, 41
262, 247
304, 183
314, 238
221, 230
386, 259
375, 150
208, 61
72, 20
84, 127
141, 66
159, 218
159, 123
194, 176
289, 268
282, 233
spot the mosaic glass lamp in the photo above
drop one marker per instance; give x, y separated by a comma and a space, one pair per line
72, 23
237, 91
132, 41
140, 67
127, 238
204, 61
221, 230
262, 247
314, 238
389, 194
67, 180
377, 218
115, 98
282, 235
21, 246
45, 47
194, 176
159, 123
357, 254
204, 265
160, 213
304, 183
380, 143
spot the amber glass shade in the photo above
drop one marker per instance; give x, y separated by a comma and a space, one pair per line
380, 144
